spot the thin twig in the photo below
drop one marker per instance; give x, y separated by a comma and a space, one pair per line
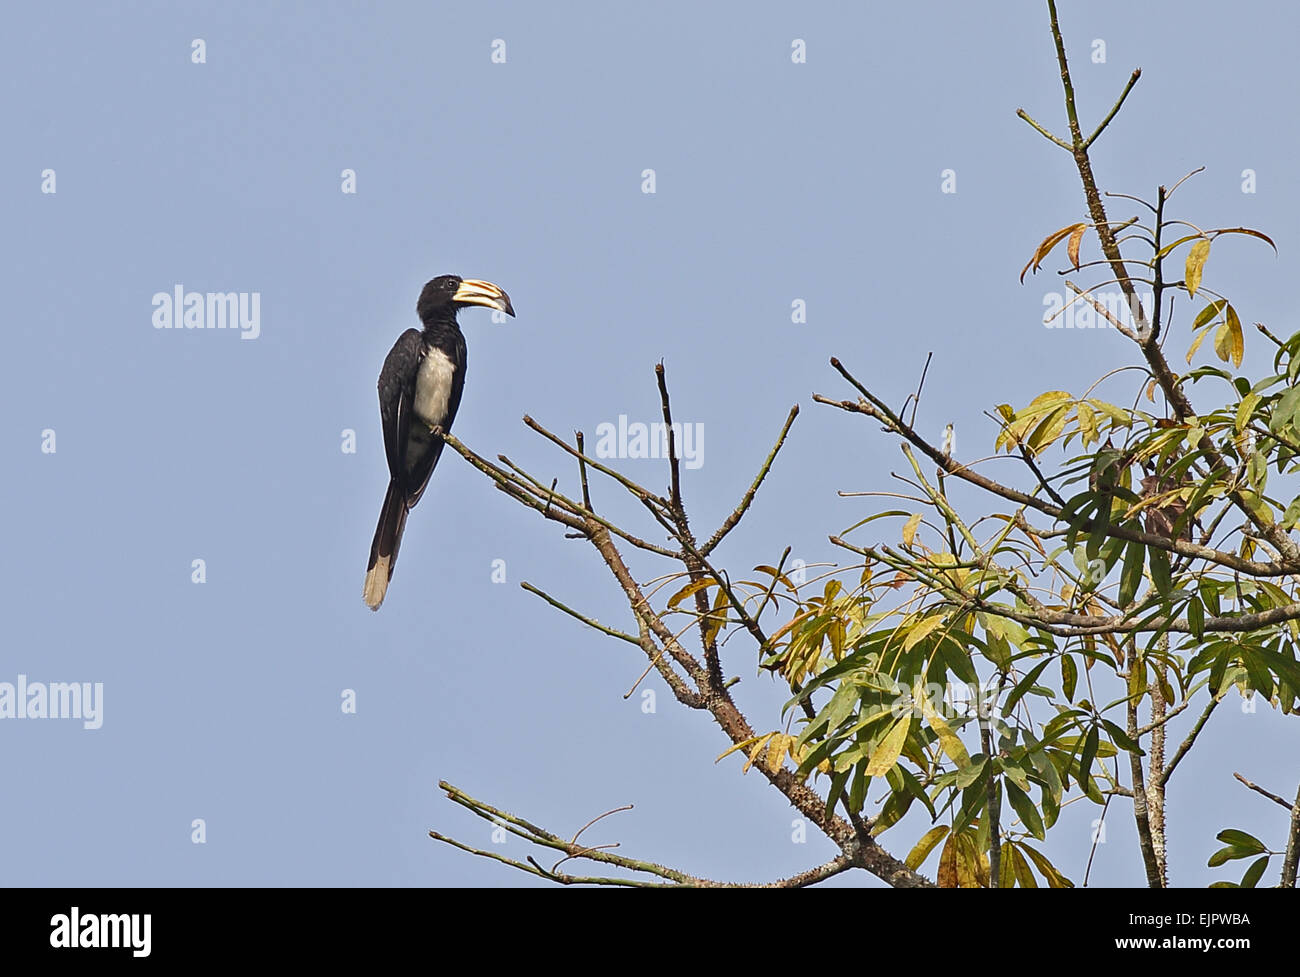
1133, 79
730, 522
1267, 793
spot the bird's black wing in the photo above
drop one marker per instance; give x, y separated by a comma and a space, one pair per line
457, 382
397, 396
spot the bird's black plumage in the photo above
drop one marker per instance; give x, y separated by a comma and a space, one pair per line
420, 387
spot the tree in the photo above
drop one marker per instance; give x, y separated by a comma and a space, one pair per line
986, 668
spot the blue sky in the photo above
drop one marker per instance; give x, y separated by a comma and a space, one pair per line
774, 182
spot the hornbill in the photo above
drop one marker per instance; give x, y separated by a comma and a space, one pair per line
419, 389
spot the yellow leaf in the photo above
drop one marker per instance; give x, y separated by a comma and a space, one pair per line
886, 755
1044, 249
1088, 424
1236, 342
776, 751
1196, 344
947, 877
1044, 401
968, 864
717, 617
1054, 878
921, 630
1244, 410
1257, 507
947, 738
1072, 248
788, 625
1023, 875
1049, 430
1223, 342
758, 748
917, 856
1151, 391
690, 588
1007, 874
742, 745
909, 528
1195, 265
1119, 417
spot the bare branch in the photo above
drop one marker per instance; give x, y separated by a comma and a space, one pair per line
590, 622
1189, 740
1266, 793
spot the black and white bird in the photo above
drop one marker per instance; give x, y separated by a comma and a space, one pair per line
419, 390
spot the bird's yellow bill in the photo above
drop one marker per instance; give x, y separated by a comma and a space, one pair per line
473, 291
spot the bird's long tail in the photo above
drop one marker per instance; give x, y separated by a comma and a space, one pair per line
383, 551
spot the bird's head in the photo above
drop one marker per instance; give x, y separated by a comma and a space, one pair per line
442, 297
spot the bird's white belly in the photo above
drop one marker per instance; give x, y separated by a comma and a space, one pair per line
433, 387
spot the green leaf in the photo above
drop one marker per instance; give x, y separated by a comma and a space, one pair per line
970, 773
998, 651
858, 790
1024, 806
910, 785
1023, 686
1196, 618
836, 789
1131, 575
1023, 873
1291, 517
1015, 772
1252, 876
1239, 839
1122, 739
1225, 855
1160, 572
1257, 668
1208, 313
1089, 751
1285, 410
1069, 677
891, 812
958, 658
1054, 878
